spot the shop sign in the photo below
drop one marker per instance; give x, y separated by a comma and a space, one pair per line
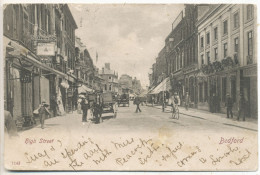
250, 72
44, 38
46, 49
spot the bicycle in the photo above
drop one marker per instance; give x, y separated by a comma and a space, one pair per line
176, 113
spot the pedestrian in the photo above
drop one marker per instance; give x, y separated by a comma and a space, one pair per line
242, 108
175, 101
84, 106
43, 112
137, 102
187, 100
229, 105
152, 100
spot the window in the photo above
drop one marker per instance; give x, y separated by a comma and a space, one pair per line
250, 43
110, 87
216, 53
105, 87
215, 33
109, 78
225, 27
208, 57
225, 50
202, 59
249, 12
236, 45
236, 20
208, 38
202, 42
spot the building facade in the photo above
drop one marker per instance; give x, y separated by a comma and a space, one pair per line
227, 55
36, 59
110, 78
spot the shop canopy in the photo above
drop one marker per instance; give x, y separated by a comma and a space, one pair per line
84, 89
165, 85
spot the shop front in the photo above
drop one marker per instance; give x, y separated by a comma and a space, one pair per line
249, 89
26, 83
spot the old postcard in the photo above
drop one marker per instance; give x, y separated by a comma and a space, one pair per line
130, 87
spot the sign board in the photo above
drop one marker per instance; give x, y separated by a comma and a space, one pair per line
46, 49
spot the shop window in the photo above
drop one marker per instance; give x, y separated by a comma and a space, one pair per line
224, 89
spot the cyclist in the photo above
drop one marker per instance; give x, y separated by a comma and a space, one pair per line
175, 101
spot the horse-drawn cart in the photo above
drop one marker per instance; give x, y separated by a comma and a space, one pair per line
105, 106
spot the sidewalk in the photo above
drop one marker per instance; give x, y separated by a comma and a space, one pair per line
250, 124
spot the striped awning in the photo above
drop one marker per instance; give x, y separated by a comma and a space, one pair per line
165, 85
84, 89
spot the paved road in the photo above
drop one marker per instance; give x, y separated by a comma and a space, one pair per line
151, 119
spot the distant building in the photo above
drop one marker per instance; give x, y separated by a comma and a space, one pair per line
110, 78
136, 85
125, 84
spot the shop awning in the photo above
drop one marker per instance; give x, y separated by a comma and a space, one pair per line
165, 85
84, 89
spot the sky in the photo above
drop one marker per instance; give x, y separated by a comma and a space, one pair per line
128, 36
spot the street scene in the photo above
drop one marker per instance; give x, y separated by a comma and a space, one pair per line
91, 87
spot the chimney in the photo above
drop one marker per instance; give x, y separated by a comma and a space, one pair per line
107, 66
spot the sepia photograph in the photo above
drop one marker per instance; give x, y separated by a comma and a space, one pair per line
129, 87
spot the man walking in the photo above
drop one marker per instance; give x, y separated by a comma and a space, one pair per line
84, 106
43, 113
137, 102
229, 105
187, 101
